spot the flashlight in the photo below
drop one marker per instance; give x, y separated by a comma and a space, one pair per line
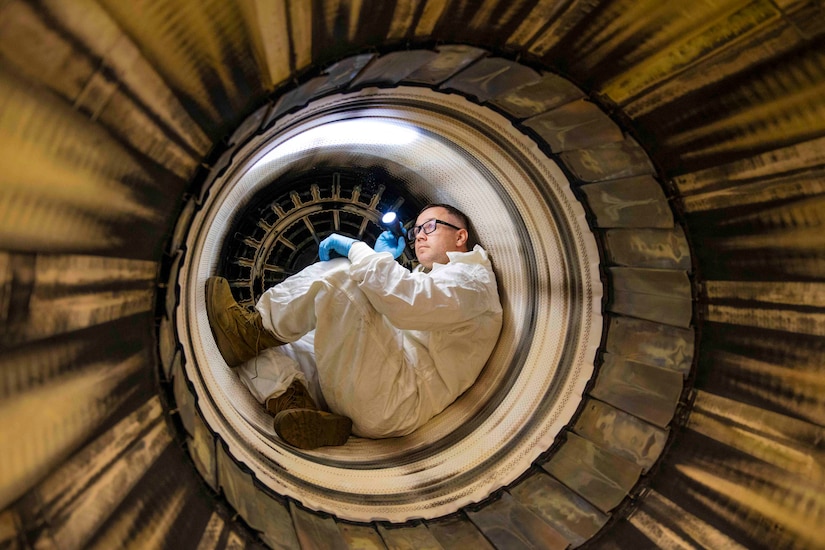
392, 223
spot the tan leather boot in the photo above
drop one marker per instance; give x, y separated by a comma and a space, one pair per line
239, 333
299, 422
296, 396
310, 429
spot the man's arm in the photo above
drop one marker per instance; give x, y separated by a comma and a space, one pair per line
421, 301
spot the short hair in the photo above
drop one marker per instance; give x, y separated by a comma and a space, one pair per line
462, 217
463, 220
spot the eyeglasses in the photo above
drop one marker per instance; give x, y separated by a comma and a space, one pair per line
427, 227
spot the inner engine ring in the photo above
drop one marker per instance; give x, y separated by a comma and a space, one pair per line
448, 150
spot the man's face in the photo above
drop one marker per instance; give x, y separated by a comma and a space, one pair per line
433, 248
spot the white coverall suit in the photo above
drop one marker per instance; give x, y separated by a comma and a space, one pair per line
384, 346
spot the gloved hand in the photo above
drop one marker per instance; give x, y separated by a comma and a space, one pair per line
387, 242
336, 242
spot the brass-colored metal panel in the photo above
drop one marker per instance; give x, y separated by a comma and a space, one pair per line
567, 17
637, 202
202, 450
665, 524
651, 343
541, 14
650, 393
315, 532
361, 537
745, 494
651, 248
661, 309
61, 412
576, 125
599, 476
450, 60
706, 37
508, 524
78, 497
608, 162
657, 295
788, 161
336, 77
409, 538
779, 371
457, 534
549, 92
268, 25
491, 77
567, 512
184, 400
392, 68
202, 51
621, 433
783, 441
10, 535
263, 513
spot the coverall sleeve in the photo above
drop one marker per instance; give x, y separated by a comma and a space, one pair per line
417, 300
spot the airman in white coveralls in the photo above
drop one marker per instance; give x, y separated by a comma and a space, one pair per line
363, 337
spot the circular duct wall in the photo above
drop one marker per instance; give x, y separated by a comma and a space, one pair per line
119, 119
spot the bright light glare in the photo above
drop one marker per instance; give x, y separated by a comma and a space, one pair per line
355, 132
389, 217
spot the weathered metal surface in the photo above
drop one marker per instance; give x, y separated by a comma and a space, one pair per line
450, 60
315, 532
508, 524
201, 448
65, 293
392, 68
10, 536
624, 159
743, 494
651, 393
74, 202
727, 97
102, 74
576, 125
184, 399
262, 512
202, 52
620, 433
337, 77
79, 497
270, 24
779, 371
458, 533
651, 343
409, 538
654, 294
491, 77
631, 202
569, 514
783, 441
602, 478
653, 248
691, 44
46, 420
666, 525
361, 537
547, 93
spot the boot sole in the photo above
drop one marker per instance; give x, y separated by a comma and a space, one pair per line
309, 429
225, 349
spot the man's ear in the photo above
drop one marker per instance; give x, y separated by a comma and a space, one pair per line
461, 237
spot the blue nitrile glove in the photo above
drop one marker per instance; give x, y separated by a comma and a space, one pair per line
387, 242
336, 242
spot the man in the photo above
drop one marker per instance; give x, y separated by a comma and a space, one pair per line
382, 348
